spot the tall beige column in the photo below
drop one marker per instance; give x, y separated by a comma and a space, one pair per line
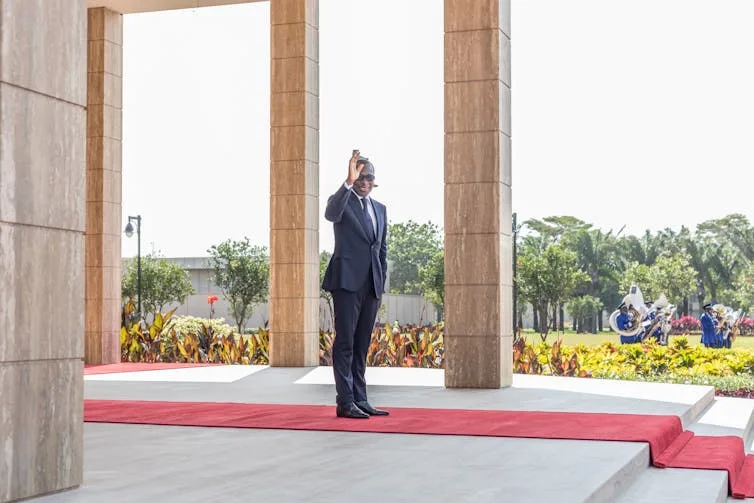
103, 186
294, 183
42, 218
478, 245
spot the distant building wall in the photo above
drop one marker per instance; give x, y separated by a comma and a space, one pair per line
405, 309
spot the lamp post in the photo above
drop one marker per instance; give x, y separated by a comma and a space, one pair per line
129, 231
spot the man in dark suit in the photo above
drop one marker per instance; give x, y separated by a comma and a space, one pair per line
356, 277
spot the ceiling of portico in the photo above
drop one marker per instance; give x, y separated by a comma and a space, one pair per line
133, 6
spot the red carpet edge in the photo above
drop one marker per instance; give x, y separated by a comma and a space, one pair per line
119, 368
670, 446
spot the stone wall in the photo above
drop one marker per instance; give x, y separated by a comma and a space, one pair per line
43, 87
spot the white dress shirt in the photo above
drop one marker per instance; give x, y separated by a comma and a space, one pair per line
370, 206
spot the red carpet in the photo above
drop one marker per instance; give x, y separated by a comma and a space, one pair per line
116, 368
669, 445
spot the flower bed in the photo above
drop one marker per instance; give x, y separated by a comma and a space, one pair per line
198, 340
692, 325
730, 371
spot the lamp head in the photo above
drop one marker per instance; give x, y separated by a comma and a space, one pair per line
129, 230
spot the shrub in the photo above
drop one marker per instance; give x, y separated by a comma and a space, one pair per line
192, 340
195, 340
747, 326
691, 325
415, 347
729, 371
184, 325
545, 359
685, 325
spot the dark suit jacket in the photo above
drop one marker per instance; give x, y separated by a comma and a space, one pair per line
354, 253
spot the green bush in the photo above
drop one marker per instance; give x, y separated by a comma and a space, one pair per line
729, 371
197, 340
650, 359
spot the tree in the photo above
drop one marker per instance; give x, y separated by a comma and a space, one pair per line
242, 272
719, 251
671, 274
638, 274
324, 260
741, 295
547, 280
699, 253
733, 230
554, 229
725, 248
432, 281
582, 311
521, 308
162, 282
599, 257
411, 245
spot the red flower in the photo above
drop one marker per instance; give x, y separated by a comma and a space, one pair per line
211, 299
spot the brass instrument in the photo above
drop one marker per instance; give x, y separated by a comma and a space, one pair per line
641, 324
635, 302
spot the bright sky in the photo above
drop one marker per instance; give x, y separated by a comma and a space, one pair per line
636, 112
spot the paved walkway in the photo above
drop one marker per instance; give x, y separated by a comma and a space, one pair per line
133, 463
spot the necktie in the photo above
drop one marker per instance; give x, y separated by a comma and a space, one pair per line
367, 219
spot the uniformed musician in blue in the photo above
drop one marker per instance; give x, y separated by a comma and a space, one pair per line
724, 332
653, 322
625, 322
719, 327
657, 332
709, 327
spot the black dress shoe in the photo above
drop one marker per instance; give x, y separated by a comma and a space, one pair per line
350, 411
371, 410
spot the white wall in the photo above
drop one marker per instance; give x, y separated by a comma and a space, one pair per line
405, 309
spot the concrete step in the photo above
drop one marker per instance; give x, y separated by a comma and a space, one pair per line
618, 475
722, 416
727, 417
677, 485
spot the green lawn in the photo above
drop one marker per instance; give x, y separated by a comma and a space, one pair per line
572, 338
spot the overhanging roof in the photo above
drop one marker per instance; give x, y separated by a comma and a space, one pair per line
133, 6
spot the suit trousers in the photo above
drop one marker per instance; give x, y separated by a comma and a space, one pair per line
355, 317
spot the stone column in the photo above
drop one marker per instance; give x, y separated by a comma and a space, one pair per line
478, 244
42, 218
294, 183
103, 186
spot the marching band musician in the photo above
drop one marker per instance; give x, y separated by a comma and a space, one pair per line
709, 327
625, 321
719, 327
657, 333
725, 331
651, 314
725, 335
634, 321
653, 319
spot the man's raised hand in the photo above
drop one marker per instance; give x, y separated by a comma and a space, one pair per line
354, 169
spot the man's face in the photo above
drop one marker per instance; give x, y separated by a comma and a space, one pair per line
364, 185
